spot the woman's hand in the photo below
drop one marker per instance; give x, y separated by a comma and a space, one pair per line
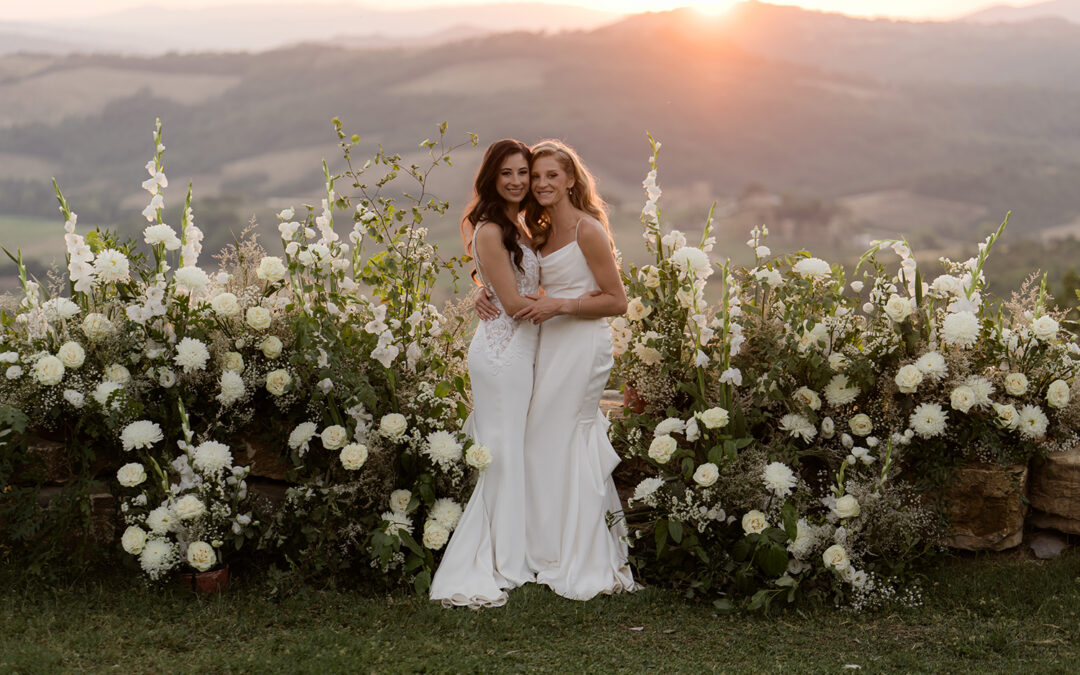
483, 306
544, 308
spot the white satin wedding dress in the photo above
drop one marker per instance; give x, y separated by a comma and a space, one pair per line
486, 554
568, 457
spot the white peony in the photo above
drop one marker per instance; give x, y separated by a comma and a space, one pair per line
445, 511
798, 426
779, 479
277, 381
898, 308
928, 420
478, 456
161, 520
1032, 422
393, 426
114, 372
334, 437
97, 327
435, 535
258, 318
962, 398
836, 557
812, 268
838, 392
191, 355
189, 507
225, 304
158, 557
212, 457
714, 418
672, 425
271, 269
1057, 395
111, 266
232, 388
1016, 384
271, 347
353, 456
48, 370
399, 500
662, 448
706, 474
131, 474
134, 539
1045, 328
140, 435
301, 436
71, 354
192, 278
932, 365
201, 555
847, 507
960, 329
754, 522
908, 379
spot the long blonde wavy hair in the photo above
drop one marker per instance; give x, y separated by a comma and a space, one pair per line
583, 195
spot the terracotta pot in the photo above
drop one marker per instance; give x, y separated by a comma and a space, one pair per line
632, 401
213, 581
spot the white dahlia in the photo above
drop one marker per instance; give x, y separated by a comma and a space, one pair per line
928, 420
445, 511
779, 479
191, 355
442, 448
838, 392
212, 457
960, 329
1033, 422
140, 435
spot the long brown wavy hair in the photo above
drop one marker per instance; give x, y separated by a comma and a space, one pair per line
487, 206
583, 195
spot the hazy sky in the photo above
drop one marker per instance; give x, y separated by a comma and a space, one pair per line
16, 10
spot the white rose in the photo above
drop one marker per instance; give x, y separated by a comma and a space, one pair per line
393, 426
435, 535
861, 425
97, 327
1057, 395
277, 381
909, 378
72, 354
661, 448
271, 347
714, 418
706, 474
808, 397
962, 398
1045, 328
478, 456
399, 500
1008, 417
1016, 384
836, 557
648, 355
650, 276
233, 361
188, 507
131, 474
74, 397
201, 555
353, 456
134, 539
898, 308
225, 304
258, 318
847, 507
754, 522
636, 310
49, 370
334, 437
271, 269
114, 372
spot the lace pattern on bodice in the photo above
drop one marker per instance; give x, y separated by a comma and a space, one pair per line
498, 333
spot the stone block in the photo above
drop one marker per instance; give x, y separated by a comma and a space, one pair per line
1055, 491
264, 458
985, 507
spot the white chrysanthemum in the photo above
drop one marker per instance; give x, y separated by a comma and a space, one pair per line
446, 511
662, 448
140, 435
161, 520
393, 426
353, 456
71, 354
805, 539
212, 457
1057, 394
779, 479
97, 326
813, 268
158, 557
928, 420
191, 355
201, 556
478, 456
443, 448
232, 388
798, 426
706, 474
960, 329
277, 381
111, 266
131, 474
435, 535
134, 539
104, 391
691, 260
397, 522
161, 234
671, 425
192, 278
714, 418
1032, 422
645, 489
932, 365
837, 361
982, 388
49, 370
189, 507
839, 393
301, 436
59, 309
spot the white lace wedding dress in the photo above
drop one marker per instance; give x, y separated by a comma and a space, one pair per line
486, 554
568, 458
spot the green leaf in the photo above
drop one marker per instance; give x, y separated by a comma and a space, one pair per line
675, 530
772, 560
791, 520
442, 389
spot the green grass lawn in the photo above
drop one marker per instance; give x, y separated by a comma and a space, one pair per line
998, 613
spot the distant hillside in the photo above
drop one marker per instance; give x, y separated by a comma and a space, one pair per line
1051, 9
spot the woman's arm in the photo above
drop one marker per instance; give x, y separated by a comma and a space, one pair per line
610, 300
497, 269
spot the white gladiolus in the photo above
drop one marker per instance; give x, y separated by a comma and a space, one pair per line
672, 425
